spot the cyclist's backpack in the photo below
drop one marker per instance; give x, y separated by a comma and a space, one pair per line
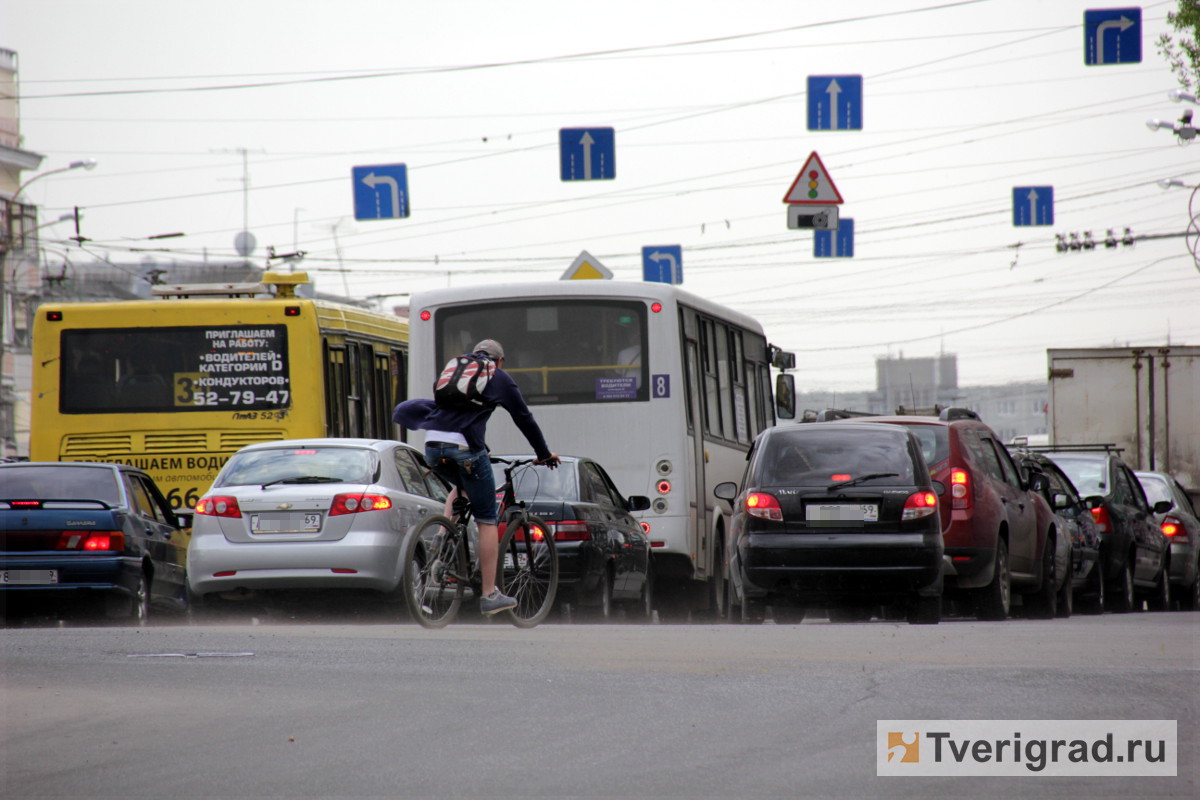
463, 380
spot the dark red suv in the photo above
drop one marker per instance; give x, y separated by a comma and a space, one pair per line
995, 534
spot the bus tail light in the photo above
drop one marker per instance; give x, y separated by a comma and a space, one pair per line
664, 487
645, 527
1171, 526
764, 506
219, 506
91, 541
357, 502
919, 504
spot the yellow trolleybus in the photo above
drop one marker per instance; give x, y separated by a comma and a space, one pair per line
177, 384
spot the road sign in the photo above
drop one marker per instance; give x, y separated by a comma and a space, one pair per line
380, 192
813, 218
586, 267
587, 154
663, 263
835, 244
1112, 36
813, 186
1033, 205
835, 102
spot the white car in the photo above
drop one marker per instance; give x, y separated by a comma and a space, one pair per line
311, 514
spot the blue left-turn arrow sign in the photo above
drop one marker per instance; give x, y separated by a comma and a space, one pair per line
663, 263
1033, 205
381, 191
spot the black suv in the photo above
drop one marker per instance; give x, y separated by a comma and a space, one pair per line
995, 544
832, 515
1133, 549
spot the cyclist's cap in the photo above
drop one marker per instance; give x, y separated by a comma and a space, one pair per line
491, 347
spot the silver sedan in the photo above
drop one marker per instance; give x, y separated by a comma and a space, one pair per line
310, 514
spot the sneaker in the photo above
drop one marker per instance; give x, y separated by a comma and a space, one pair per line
495, 602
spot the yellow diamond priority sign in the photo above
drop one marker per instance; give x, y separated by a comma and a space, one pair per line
586, 267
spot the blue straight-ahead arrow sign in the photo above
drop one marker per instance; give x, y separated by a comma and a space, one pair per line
381, 191
835, 102
663, 263
835, 244
1112, 36
1033, 205
587, 154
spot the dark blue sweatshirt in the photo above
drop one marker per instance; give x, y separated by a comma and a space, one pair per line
423, 414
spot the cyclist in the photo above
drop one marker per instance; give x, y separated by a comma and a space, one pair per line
455, 448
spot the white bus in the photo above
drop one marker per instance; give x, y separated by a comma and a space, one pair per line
666, 389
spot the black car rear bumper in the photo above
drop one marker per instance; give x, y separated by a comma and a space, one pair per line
832, 565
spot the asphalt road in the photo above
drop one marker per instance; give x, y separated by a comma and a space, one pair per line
303, 707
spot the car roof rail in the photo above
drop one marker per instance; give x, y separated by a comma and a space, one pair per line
830, 414
953, 413
1103, 447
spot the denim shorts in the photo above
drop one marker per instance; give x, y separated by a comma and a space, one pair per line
474, 471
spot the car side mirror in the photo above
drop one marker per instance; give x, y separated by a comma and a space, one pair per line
940, 488
1093, 501
184, 520
637, 502
785, 396
726, 491
1038, 483
1060, 501
1163, 506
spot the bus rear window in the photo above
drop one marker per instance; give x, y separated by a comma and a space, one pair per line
137, 370
558, 351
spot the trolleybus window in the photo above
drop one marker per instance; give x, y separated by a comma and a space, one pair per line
122, 370
559, 351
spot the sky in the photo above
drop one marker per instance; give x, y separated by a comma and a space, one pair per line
961, 102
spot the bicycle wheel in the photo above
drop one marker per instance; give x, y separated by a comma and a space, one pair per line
528, 569
435, 572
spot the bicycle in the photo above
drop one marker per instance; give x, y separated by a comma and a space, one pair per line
438, 563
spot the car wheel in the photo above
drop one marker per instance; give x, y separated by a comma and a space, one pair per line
1095, 602
603, 610
1043, 604
1066, 599
925, 610
995, 599
718, 592
1120, 599
1161, 599
1189, 599
753, 611
135, 608
787, 615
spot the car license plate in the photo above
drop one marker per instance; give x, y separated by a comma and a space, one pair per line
522, 559
841, 513
285, 523
16, 577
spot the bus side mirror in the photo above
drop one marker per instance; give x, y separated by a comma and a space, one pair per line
785, 396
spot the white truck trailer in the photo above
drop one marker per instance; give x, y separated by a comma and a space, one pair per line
1146, 400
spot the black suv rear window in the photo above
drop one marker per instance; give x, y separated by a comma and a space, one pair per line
934, 439
814, 455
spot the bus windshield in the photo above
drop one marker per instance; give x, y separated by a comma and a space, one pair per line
165, 369
559, 351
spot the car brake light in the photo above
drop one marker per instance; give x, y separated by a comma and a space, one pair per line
538, 533
763, 506
1171, 526
919, 504
358, 502
1100, 514
94, 541
218, 506
571, 530
960, 488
